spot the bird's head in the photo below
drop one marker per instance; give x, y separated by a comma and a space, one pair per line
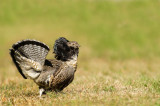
65, 49
73, 44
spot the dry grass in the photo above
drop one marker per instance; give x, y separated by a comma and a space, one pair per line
100, 82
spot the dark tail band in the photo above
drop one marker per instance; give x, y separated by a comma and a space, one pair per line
12, 53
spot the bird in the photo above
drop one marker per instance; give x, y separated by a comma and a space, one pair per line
29, 57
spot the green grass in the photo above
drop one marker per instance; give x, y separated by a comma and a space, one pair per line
119, 57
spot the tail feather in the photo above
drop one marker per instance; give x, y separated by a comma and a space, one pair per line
12, 53
32, 49
28, 53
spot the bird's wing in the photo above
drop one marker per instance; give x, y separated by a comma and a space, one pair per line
52, 65
29, 57
50, 69
60, 73
63, 77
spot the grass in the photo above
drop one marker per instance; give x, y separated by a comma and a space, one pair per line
119, 55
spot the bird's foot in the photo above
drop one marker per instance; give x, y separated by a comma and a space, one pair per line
41, 92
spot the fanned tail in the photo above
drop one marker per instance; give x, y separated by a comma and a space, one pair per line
29, 54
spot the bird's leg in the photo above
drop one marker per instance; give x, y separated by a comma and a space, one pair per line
41, 91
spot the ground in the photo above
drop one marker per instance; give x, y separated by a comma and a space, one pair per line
119, 57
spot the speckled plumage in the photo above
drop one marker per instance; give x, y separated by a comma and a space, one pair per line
29, 57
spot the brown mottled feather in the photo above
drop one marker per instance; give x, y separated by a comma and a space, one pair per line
29, 57
61, 75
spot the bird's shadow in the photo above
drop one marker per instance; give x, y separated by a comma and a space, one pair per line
48, 94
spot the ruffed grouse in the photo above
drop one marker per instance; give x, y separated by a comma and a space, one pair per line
29, 57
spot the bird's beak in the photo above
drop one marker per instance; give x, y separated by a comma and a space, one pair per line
79, 45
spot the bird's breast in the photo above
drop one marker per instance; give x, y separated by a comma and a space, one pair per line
72, 62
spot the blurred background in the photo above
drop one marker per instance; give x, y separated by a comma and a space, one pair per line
107, 30
119, 57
